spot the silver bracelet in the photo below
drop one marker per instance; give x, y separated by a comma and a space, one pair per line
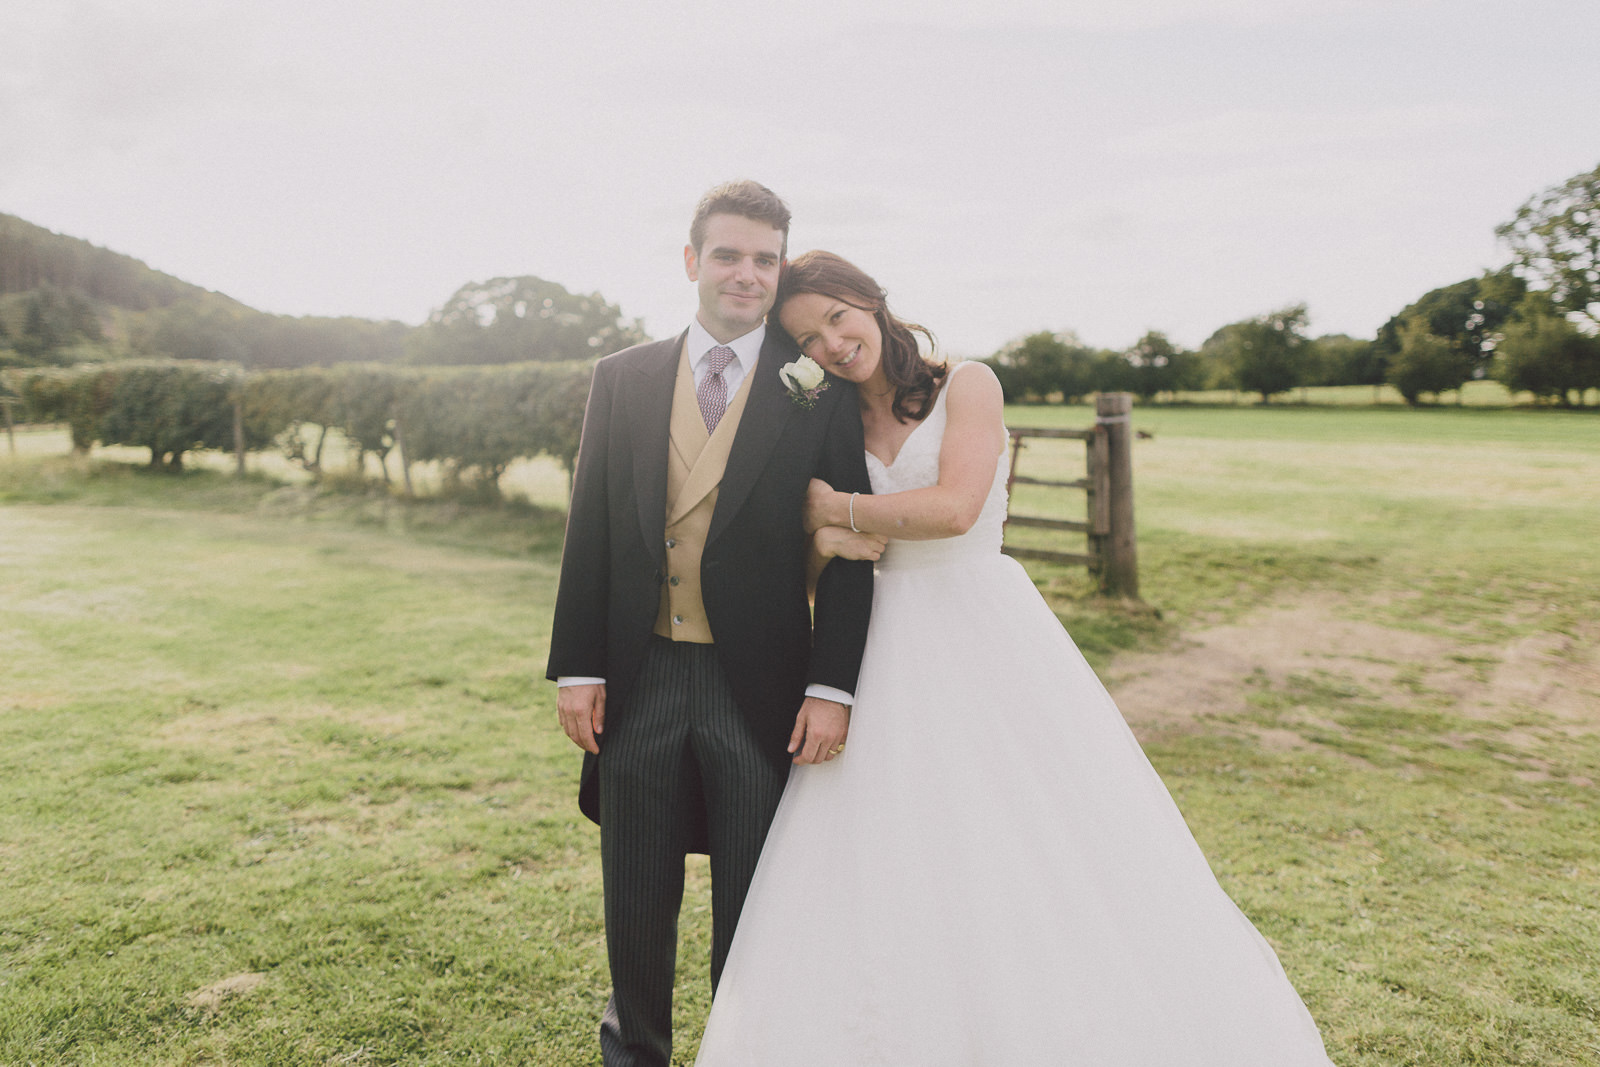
853, 528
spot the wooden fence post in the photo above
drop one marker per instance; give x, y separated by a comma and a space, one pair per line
405, 459
1120, 573
238, 435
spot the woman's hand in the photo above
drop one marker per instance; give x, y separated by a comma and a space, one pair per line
837, 541
820, 499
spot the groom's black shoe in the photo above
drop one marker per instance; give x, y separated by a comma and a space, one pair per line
614, 1052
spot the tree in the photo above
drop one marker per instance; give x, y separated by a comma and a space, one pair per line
287, 341
1341, 359
55, 320
1346, 360
1264, 355
1466, 315
199, 329
1555, 243
1425, 363
1042, 364
1543, 353
514, 320
169, 408
1159, 366
364, 401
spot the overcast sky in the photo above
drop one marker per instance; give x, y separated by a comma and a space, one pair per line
1104, 166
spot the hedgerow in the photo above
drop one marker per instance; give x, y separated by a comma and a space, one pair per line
473, 421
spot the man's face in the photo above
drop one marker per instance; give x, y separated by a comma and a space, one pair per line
736, 269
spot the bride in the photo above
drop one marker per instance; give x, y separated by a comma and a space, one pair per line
992, 874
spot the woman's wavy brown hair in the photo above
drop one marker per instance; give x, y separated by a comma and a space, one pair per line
915, 378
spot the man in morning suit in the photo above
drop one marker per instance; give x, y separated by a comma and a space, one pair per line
689, 667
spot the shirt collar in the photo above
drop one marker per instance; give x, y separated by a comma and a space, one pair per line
746, 349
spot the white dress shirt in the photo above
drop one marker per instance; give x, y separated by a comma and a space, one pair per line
746, 350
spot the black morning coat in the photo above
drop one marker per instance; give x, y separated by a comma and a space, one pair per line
753, 568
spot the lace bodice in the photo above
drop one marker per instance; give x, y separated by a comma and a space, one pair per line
917, 467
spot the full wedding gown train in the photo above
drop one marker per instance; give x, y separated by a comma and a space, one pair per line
991, 874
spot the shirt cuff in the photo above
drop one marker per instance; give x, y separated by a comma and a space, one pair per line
828, 692
577, 679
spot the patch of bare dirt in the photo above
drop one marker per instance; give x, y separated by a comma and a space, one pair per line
1558, 674
1211, 673
237, 985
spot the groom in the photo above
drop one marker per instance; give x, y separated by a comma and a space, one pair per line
690, 670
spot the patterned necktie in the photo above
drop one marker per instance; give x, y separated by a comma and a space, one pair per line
713, 391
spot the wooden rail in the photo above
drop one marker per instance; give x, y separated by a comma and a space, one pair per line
1112, 554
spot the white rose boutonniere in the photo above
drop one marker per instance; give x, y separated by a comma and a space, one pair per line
804, 380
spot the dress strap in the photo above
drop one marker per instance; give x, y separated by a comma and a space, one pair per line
949, 376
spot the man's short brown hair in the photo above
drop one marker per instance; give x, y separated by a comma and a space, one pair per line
745, 198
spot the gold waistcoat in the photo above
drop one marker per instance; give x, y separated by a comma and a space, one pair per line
695, 464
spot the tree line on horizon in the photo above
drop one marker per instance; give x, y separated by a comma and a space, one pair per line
1531, 325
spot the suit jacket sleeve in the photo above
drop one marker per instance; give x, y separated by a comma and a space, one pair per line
578, 633
844, 589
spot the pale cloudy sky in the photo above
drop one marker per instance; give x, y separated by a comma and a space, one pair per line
1004, 166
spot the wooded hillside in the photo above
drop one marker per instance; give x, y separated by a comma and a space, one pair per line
66, 301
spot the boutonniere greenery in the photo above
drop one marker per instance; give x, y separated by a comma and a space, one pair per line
805, 382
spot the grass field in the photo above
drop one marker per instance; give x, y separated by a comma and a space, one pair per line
279, 785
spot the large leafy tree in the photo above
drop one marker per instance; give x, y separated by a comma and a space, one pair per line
1544, 353
1425, 362
1266, 354
514, 320
1466, 316
1042, 364
169, 408
1159, 366
1555, 243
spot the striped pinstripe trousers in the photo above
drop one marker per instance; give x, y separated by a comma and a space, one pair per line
680, 753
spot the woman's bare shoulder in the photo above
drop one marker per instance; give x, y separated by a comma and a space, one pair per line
972, 382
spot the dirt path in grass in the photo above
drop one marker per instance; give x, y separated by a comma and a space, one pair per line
1212, 670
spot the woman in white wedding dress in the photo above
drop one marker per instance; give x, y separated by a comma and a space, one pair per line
992, 874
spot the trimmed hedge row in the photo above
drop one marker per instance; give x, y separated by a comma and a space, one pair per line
473, 421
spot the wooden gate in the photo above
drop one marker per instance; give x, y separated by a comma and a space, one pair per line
1112, 554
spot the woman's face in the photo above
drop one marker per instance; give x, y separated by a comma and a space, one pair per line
841, 337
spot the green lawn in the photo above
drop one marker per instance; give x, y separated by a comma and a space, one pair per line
279, 784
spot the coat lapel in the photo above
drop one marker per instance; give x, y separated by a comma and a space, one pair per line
650, 408
766, 412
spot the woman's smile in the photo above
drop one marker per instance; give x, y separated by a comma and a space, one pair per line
840, 336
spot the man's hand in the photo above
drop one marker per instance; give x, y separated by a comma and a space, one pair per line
819, 730
583, 714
